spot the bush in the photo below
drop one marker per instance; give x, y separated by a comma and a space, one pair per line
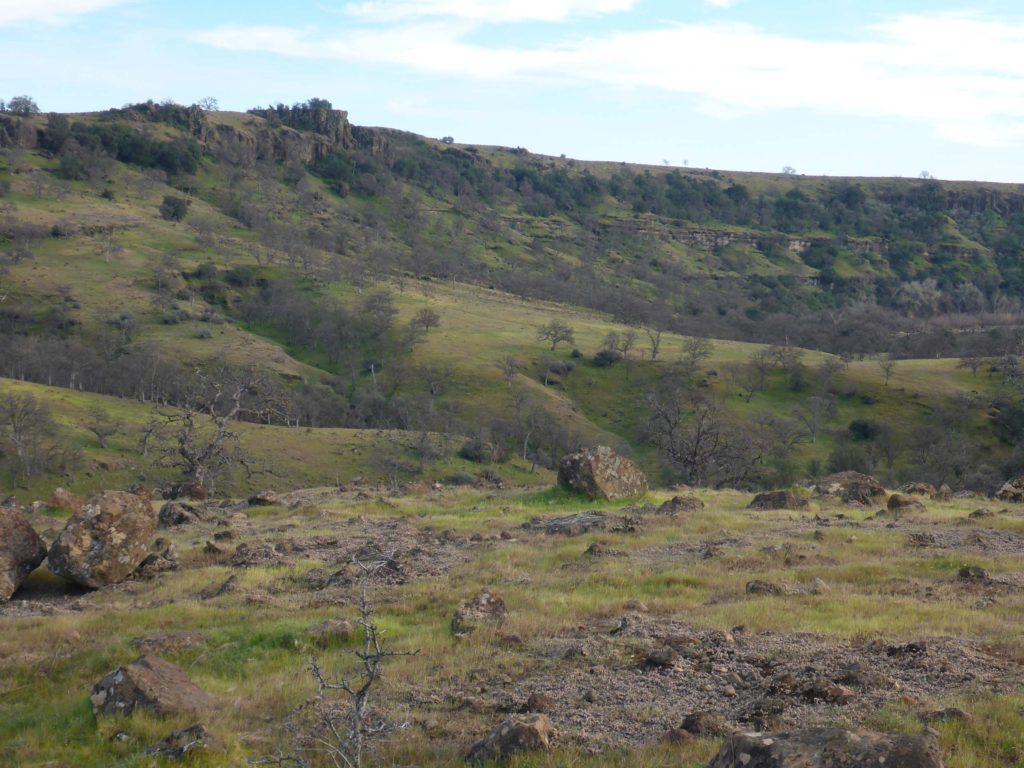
477, 451
863, 429
607, 357
576, 354
174, 208
849, 457
463, 478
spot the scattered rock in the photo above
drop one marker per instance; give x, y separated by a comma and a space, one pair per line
949, 713
777, 500
819, 587
918, 489
679, 504
21, 550
601, 473
264, 499
571, 525
332, 632
486, 607
148, 683
213, 548
661, 658
178, 744
175, 513
828, 748
539, 702
945, 493
1012, 491
163, 556
973, 573
917, 648
168, 642
706, 724
195, 491
899, 503
522, 733
106, 540
677, 736
980, 513
599, 549
64, 499
758, 587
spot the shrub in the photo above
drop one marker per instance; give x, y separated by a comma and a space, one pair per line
477, 451
174, 208
607, 357
863, 429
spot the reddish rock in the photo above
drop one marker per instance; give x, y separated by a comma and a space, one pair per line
601, 473
64, 499
900, 502
678, 504
148, 683
21, 550
106, 540
918, 489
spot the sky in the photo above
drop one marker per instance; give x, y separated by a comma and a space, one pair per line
843, 87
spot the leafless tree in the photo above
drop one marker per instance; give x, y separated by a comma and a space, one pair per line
972, 363
425, 319
509, 367
103, 425
813, 411
27, 435
888, 365
654, 337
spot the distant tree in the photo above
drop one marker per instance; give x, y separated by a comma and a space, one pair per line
813, 411
972, 363
654, 337
888, 365
208, 104
174, 208
509, 367
696, 349
447, 140
23, 105
103, 425
789, 170
556, 332
125, 322
425, 319
27, 434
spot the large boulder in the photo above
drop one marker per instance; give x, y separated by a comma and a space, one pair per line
902, 502
521, 733
828, 748
21, 550
106, 540
601, 473
148, 683
777, 500
918, 489
852, 487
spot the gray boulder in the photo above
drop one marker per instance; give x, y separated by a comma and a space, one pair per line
21, 550
828, 748
601, 473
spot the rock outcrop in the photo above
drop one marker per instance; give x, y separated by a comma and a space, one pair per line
851, 487
601, 473
106, 540
21, 550
148, 683
1012, 491
901, 502
828, 748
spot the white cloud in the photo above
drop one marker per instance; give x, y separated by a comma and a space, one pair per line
49, 11
961, 75
720, 3
484, 10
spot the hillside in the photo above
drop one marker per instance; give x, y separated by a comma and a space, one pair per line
143, 242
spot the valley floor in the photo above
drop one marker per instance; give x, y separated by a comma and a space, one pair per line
869, 621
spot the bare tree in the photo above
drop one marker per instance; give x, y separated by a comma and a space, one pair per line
509, 367
103, 425
888, 365
425, 319
972, 363
654, 337
556, 332
813, 411
696, 349
27, 433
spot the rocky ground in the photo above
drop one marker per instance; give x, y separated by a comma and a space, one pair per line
616, 621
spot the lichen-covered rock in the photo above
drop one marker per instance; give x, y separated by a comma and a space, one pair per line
486, 607
852, 487
521, 733
148, 683
777, 500
601, 473
106, 540
678, 504
918, 489
21, 550
828, 748
1012, 490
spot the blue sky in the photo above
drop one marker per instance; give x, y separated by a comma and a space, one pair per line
837, 88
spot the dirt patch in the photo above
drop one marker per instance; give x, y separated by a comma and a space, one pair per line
602, 693
980, 540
